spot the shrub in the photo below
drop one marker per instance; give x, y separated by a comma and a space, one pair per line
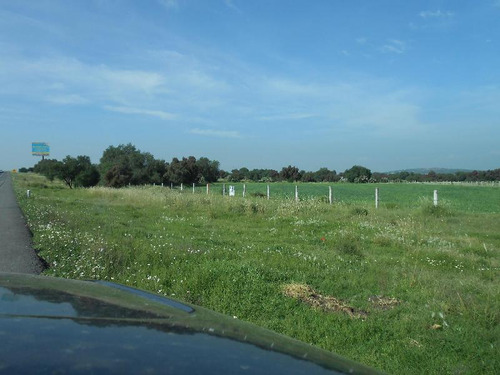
435, 211
359, 211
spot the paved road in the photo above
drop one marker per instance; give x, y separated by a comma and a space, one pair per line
16, 252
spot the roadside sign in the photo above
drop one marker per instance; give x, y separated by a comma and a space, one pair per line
40, 149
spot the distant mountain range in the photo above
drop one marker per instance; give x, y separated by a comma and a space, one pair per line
427, 170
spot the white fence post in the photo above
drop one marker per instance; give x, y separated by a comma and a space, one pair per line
171, 186
182, 186
268, 192
435, 197
28, 193
330, 195
296, 193
223, 190
376, 198
208, 189
244, 190
193, 187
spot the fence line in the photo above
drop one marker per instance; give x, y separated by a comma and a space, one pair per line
232, 192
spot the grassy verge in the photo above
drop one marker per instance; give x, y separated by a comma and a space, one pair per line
406, 290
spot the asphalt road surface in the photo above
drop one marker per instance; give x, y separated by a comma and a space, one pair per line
16, 251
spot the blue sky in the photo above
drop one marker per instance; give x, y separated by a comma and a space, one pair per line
256, 83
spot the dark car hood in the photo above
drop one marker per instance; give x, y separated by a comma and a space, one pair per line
51, 325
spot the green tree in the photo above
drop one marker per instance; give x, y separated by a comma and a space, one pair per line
325, 175
183, 171
118, 175
358, 173
78, 171
235, 176
244, 173
125, 164
290, 174
208, 170
174, 173
308, 177
117, 164
190, 170
48, 167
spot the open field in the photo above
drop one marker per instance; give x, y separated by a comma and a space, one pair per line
408, 288
462, 197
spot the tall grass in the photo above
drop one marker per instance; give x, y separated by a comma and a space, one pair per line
237, 256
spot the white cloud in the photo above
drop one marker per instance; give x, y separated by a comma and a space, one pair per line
388, 117
127, 79
98, 80
288, 116
216, 133
169, 4
436, 14
291, 87
137, 111
230, 4
200, 80
67, 99
394, 46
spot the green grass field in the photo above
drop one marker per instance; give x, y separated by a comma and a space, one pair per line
408, 288
463, 197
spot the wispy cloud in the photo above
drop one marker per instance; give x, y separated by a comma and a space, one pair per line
433, 19
216, 133
138, 111
394, 46
169, 4
436, 14
388, 117
288, 116
71, 74
230, 4
292, 87
70, 99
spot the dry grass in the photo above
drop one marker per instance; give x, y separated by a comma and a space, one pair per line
384, 303
327, 304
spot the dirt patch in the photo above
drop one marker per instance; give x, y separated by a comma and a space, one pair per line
384, 303
308, 295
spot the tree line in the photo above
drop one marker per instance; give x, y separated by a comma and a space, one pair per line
125, 165
432, 176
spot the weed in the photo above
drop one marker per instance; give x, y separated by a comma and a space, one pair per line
349, 245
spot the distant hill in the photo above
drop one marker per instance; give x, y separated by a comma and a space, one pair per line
427, 170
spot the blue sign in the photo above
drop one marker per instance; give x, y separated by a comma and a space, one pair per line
40, 149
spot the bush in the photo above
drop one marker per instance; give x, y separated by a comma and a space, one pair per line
359, 211
259, 195
429, 209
